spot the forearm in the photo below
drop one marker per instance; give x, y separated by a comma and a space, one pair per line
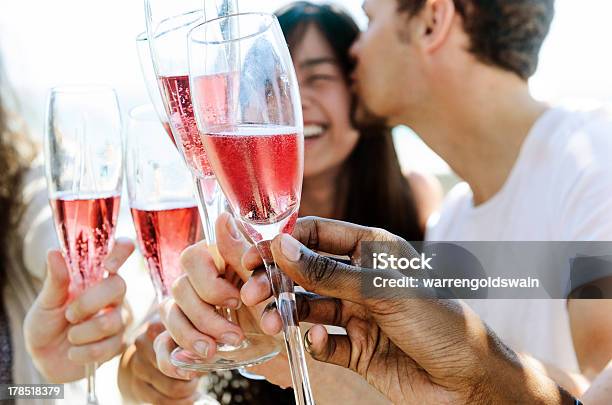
600, 391
512, 379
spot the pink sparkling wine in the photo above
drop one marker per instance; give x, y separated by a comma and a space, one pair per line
178, 94
163, 233
86, 228
260, 169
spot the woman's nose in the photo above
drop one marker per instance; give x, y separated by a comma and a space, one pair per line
306, 96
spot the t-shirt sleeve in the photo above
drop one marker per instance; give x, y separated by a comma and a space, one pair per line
585, 206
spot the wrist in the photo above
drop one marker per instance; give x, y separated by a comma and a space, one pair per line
514, 380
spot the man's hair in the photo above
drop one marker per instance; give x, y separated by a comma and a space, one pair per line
503, 33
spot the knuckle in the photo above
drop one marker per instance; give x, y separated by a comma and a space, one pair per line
186, 260
120, 287
94, 351
179, 287
309, 231
319, 269
109, 323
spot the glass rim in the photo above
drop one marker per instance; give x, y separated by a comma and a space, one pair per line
139, 112
161, 30
83, 88
269, 16
143, 36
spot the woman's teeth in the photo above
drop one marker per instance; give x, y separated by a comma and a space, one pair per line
311, 131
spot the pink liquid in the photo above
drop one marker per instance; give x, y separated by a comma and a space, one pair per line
85, 228
178, 94
260, 169
163, 233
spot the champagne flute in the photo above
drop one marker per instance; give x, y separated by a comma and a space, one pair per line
84, 170
168, 24
163, 206
150, 81
247, 105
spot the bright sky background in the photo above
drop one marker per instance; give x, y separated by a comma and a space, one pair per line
51, 42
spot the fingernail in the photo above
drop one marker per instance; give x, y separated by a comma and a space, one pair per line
231, 339
183, 373
270, 307
307, 342
232, 303
232, 228
291, 248
70, 315
201, 348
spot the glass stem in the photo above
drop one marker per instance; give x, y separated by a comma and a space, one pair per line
282, 288
90, 372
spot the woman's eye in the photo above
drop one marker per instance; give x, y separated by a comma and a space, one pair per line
320, 78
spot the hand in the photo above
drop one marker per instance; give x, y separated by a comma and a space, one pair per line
419, 350
140, 379
62, 337
212, 278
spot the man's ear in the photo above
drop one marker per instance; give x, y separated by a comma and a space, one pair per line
436, 20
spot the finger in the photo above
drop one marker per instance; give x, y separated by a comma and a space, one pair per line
147, 394
205, 317
333, 349
108, 292
336, 237
231, 244
97, 328
204, 276
144, 342
98, 352
251, 259
54, 292
257, 289
184, 333
122, 249
311, 308
317, 273
170, 387
163, 347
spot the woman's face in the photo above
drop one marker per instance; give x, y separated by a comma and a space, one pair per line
326, 104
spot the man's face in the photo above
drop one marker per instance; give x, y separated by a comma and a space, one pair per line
388, 75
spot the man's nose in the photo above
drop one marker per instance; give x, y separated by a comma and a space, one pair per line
355, 48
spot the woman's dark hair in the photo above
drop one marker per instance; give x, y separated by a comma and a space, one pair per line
15, 155
375, 191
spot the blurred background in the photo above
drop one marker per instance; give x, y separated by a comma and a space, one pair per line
48, 43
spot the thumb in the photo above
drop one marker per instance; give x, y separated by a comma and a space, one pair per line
55, 291
319, 274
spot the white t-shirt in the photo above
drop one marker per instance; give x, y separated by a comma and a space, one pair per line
560, 189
